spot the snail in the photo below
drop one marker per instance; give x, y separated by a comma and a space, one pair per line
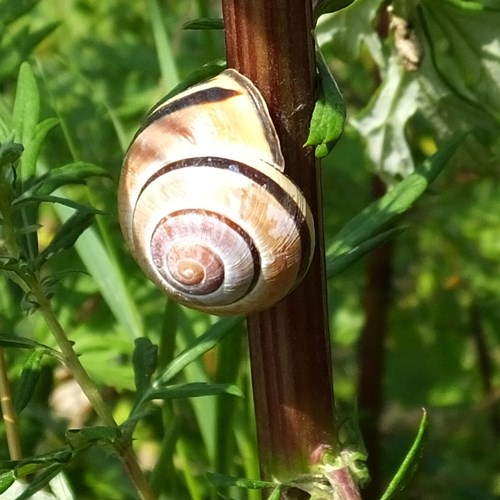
204, 205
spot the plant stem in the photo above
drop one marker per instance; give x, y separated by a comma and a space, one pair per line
8, 412
124, 449
271, 42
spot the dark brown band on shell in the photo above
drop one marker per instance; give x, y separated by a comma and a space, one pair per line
271, 186
195, 98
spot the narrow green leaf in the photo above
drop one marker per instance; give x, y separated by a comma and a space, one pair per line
164, 51
81, 438
32, 150
471, 6
67, 235
202, 344
73, 173
385, 210
249, 484
41, 481
26, 105
28, 380
337, 264
205, 23
328, 118
193, 390
39, 198
21, 342
144, 361
33, 464
410, 463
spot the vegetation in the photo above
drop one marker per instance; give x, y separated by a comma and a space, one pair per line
76, 77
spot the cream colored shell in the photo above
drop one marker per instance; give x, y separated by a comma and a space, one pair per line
204, 206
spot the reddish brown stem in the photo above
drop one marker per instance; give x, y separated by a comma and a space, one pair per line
270, 41
371, 353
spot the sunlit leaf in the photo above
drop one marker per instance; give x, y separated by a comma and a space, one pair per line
382, 123
328, 118
398, 200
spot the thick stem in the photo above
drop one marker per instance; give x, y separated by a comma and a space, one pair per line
270, 41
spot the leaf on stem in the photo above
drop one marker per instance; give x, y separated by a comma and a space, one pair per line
10, 152
193, 390
202, 344
411, 461
73, 173
205, 23
144, 361
328, 118
66, 236
351, 241
28, 380
78, 439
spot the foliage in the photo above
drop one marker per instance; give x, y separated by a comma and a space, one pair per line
97, 67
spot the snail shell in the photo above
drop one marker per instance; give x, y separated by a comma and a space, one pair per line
204, 206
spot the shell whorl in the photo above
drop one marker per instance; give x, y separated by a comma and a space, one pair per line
204, 205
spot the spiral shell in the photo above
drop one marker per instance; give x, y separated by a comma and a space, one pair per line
204, 206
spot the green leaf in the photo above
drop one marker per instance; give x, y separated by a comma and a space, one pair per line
249, 484
30, 465
202, 344
21, 342
329, 6
22, 201
193, 390
28, 380
397, 201
144, 361
10, 152
32, 147
73, 173
14, 10
78, 439
382, 123
352, 30
7, 480
328, 118
41, 481
339, 263
67, 235
26, 109
410, 463
205, 23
